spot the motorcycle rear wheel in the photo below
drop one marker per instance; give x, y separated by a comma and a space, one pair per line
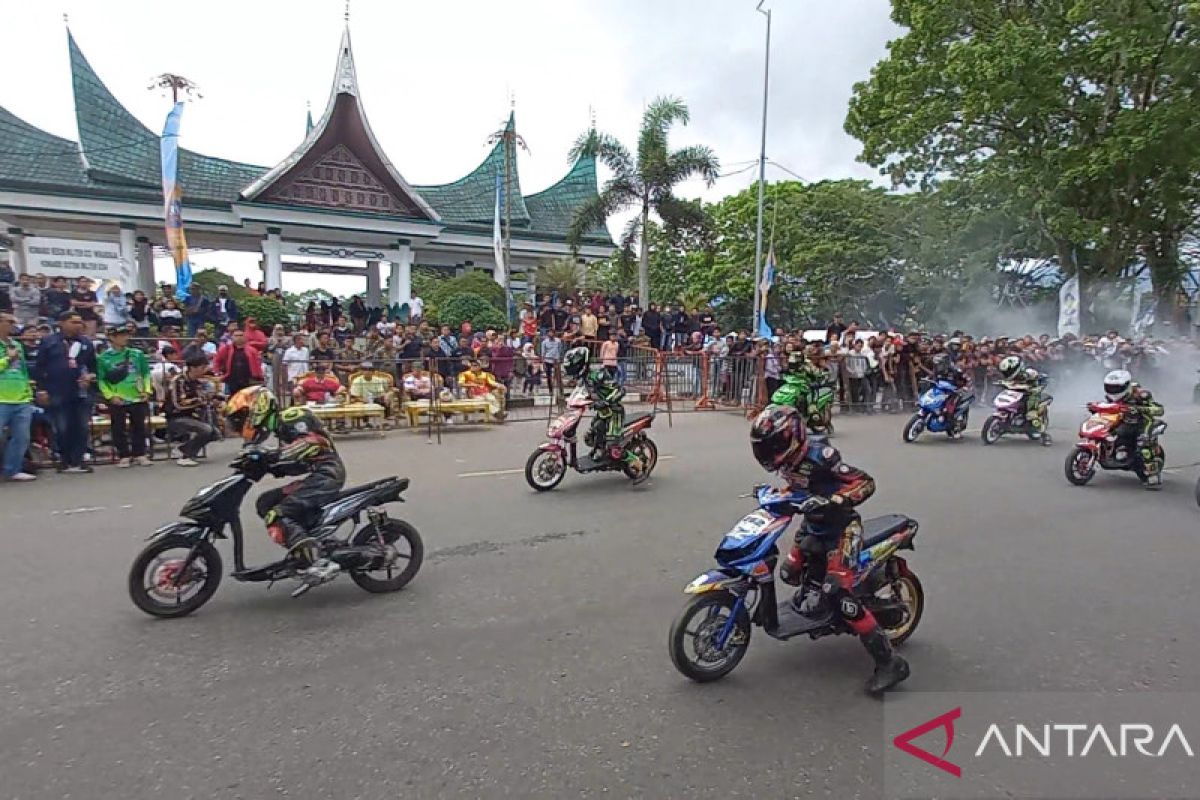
992, 430
912, 429
1074, 476
537, 474
701, 620
161, 599
908, 589
410, 552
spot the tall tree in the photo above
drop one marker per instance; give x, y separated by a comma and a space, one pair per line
1078, 115
646, 183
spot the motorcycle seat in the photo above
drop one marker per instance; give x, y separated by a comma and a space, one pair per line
876, 529
366, 487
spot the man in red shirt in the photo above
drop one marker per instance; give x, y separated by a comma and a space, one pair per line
238, 363
320, 387
256, 337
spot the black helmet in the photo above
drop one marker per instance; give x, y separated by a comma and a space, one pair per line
777, 437
575, 362
941, 364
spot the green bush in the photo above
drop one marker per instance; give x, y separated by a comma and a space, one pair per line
470, 307
267, 311
207, 281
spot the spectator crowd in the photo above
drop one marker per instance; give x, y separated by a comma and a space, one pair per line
79, 368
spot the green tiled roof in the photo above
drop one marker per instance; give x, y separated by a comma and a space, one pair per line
119, 149
552, 210
29, 156
472, 199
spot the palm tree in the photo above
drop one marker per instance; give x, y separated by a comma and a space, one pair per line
562, 275
646, 184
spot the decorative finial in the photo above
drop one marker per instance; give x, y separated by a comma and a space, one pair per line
66, 19
592, 116
512, 100
346, 15
178, 85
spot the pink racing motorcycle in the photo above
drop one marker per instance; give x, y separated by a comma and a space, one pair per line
548, 464
1009, 416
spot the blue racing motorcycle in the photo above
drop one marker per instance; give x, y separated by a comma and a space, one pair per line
931, 412
712, 632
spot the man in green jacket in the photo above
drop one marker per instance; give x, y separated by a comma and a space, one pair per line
16, 401
123, 375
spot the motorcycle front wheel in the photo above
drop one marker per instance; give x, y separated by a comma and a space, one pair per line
694, 633
913, 428
409, 553
174, 576
993, 429
1081, 466
545, 469
647, 451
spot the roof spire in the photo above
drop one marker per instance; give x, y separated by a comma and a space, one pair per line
308, 123
66, 20
346, 14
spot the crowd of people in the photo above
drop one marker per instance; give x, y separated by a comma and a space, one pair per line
71, 355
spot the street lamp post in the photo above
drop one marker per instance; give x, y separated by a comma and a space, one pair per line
762, 175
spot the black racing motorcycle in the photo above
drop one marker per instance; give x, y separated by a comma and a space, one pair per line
179, 571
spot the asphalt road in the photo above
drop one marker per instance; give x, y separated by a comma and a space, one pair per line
528, 659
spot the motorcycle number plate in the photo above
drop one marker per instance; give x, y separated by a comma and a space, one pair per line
751, 525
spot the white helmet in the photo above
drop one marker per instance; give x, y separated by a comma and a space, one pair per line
1117, 384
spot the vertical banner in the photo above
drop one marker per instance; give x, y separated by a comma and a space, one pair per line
172, 209
497, 237
764, 289
1143, 301
1068, 307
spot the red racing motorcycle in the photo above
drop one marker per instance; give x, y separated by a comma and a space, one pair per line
1099, 446
548, 464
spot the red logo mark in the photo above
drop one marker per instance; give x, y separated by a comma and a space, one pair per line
946, 721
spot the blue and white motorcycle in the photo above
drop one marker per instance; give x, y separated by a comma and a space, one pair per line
712, 632
931, 412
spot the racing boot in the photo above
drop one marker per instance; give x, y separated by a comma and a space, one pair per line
890, 669
1151, 469
792, 568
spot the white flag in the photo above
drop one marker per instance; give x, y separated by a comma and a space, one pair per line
1068, 307
498, 240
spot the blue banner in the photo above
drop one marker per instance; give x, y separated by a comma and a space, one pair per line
172, 204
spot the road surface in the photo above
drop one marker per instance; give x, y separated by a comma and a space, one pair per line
528, 659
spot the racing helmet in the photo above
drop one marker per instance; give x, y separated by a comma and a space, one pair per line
941, 365
256, 410
1117, 385
575, 362
795, 360
777, 437
1009, 367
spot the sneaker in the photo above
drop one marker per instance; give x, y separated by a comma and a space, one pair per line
143, 461
78, 470
22, 476
176, 453
123, 463
322, 571
183, 461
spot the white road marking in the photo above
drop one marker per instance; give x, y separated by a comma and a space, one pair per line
495, 473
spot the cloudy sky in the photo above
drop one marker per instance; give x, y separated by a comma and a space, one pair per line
436, 76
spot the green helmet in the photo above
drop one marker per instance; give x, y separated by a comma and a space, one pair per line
575, 362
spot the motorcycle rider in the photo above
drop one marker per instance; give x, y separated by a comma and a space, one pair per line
1139, 418
606, 394
944, 369
1029, 381
832, 530
305, 449
800, 379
